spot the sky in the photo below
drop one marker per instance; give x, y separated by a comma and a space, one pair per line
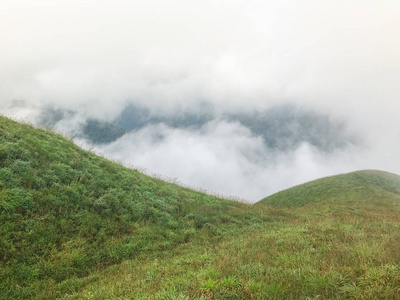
339, 58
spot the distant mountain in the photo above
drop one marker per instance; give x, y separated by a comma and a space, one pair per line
286, 127
134, 117
102, 132
50, 116
282, 127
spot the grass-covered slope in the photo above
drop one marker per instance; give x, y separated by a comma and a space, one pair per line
357, 186
325, 250
76, 226
65, 212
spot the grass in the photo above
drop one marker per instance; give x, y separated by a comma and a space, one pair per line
326, 253
76, 226
356, 186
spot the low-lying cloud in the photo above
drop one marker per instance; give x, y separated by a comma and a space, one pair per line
222, 157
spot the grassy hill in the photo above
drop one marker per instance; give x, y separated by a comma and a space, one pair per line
357, 186
76, 226
65, 212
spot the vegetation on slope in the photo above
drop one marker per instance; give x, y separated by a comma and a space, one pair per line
324, 250
65, 212
76, 226
356, 186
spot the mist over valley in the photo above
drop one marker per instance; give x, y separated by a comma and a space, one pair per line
247, 154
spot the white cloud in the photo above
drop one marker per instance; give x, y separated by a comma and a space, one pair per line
224, 158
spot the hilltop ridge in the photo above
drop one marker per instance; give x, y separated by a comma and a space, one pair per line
355, 186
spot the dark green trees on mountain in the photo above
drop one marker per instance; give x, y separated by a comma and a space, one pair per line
102, 132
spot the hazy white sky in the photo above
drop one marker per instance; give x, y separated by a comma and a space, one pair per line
102, 51
340, 57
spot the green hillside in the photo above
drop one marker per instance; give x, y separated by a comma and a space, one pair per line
65, 212
77, 226
356, 186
